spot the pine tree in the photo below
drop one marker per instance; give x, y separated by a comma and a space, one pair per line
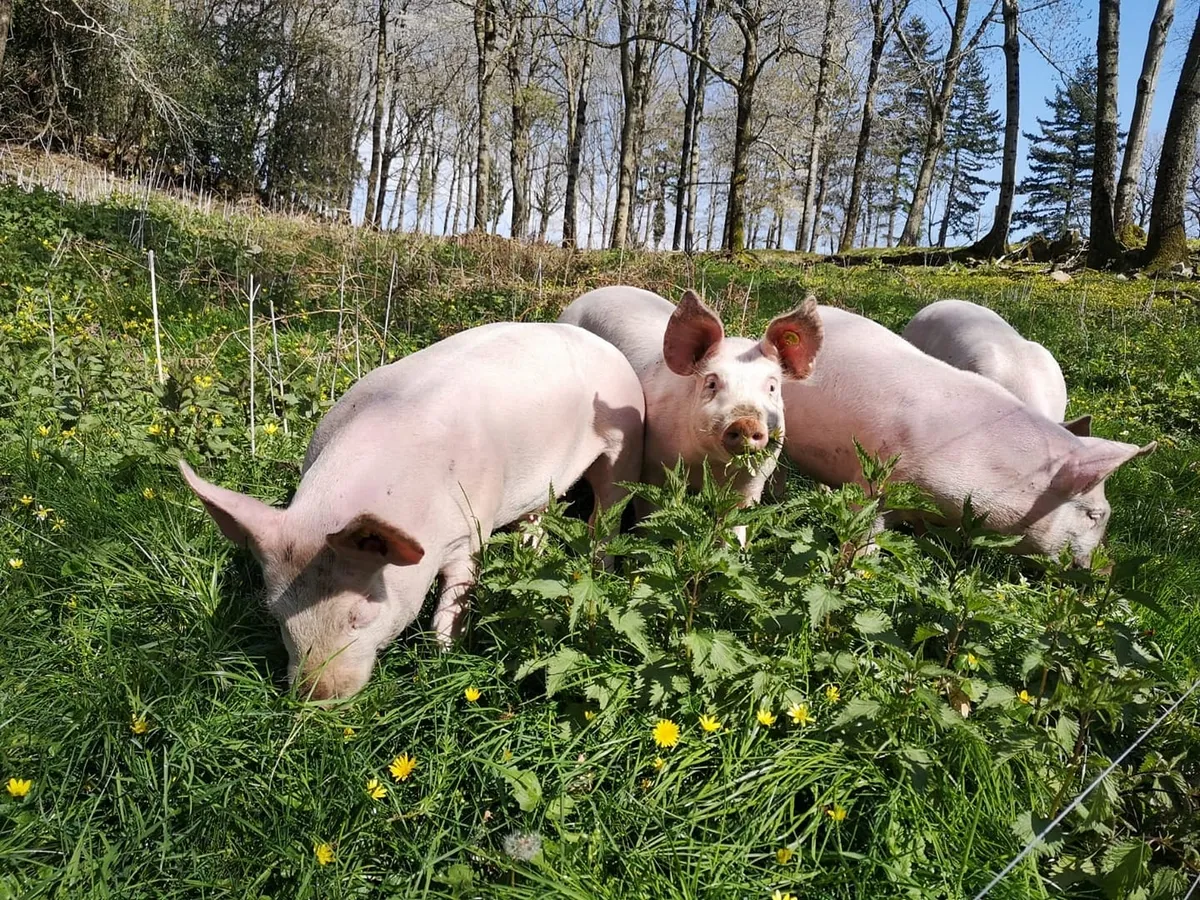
1059, 186
972, 147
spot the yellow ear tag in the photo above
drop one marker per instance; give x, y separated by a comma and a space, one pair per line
791, 338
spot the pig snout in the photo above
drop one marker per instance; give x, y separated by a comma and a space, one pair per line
745, 434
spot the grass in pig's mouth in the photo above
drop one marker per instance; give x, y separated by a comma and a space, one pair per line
948, 700
752, 462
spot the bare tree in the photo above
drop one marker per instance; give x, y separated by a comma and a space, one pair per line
484, 21
818, 131
1103, 246
940, 93
1160, 27
995, 242
374, 190
1166, 243
700, 21
575, 57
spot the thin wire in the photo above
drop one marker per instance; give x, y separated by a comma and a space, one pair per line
1028, 848
1192, 889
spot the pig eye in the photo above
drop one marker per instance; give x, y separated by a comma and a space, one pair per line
711, 383
1096, 515
771, 386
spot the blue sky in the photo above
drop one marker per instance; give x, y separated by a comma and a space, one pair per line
1069, 32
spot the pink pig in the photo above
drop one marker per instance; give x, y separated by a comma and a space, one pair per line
416, 465
957, 434
708, 396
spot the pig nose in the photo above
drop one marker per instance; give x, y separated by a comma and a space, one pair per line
744, 435
319, 688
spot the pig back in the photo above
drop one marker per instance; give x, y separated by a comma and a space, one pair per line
631, 319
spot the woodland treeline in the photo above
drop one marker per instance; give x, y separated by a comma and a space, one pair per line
820, 125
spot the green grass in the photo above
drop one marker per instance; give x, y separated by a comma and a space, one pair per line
132, 608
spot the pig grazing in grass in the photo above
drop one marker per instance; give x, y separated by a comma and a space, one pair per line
708, 396
972, 337
957, 434
412, 468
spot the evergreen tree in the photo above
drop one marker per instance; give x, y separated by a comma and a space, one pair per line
1059, 186
972, 147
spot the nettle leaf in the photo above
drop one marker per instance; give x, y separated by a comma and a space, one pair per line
545, 588
631, 624
1066, 732
1028, 825
1125, 867
872, 622
584, 593
928, 630
715, 654
821, 603
856, 710
661, 680
524, 785
560, 666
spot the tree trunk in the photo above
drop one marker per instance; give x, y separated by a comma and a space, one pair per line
386, 158
452, 192
995, 242
895, 204
1103, 246
374, 190
1139, 126
485, 40
819, 205
6, 7
1167, 241
818, 130
935, 137
634, 64
878, 44
576, 128
944, 230
693, 189
697, 75
733, 239
518, 148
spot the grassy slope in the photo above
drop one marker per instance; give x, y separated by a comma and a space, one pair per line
136, 609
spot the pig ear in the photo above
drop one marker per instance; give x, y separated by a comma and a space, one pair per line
1081, 427
1095, 461
246, 521
794, 339
372, 541
692, 334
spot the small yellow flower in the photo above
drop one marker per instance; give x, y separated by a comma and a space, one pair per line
646, 784
42, 513
138, 724
218, 421
26, 500
148, 493
472, 694
799, 713
59, 524
765, 717
270, 428
832, 694
35, 454
589, 714
783, 895
972, 660
659, 763
324, 853
1024, 697
154, 430
16, 562
67, 434
44, 430
710, 723
375, 790
19, 787
838, 813
784, 855
402, 766
347, 733
666, 733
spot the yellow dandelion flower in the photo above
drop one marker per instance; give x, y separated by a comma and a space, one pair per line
42, 513
347, 733
402, 766
44, 430
270, 428
799, 713
666, 733
19, 787
324, 853
26, 500
154, 430
710, 723
375, 790
1024, 697
472, 694
659, 763
832, 694
16, 562
784, 855
837, 813
138, 724
765, 717
148, 493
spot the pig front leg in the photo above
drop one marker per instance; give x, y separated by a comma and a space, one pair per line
456, 580
751, 487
